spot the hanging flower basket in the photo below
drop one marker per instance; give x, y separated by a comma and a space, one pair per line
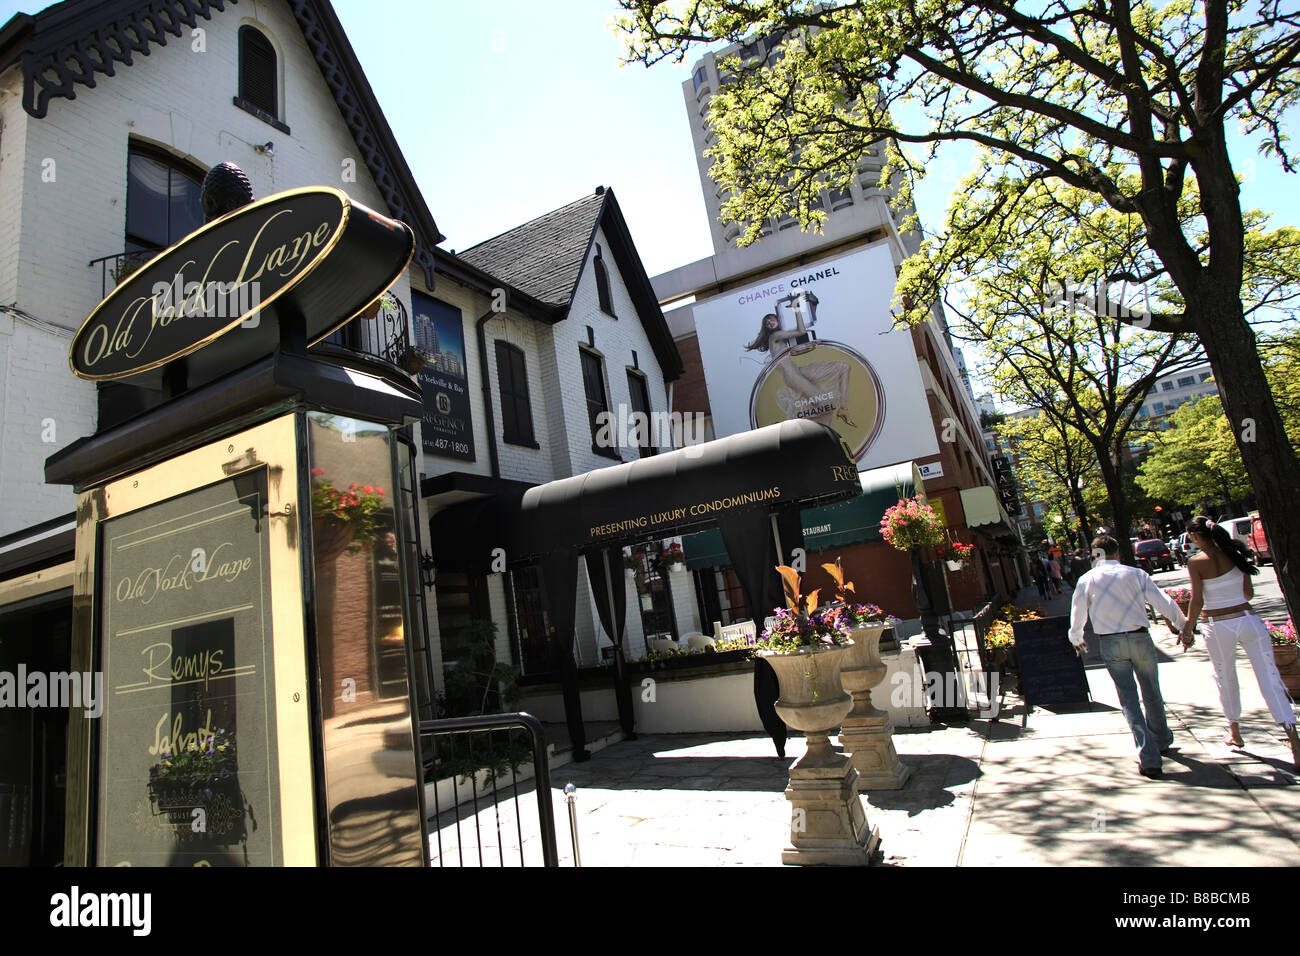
911, 524
350, 519
959, 557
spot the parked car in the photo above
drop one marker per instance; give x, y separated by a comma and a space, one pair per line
1187, 547
1152, 555
1258, 543
1239, 528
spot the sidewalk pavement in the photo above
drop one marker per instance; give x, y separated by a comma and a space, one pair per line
1064, 790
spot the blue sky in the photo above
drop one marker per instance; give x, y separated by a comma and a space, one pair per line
506, 109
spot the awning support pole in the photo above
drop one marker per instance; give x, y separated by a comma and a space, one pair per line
622, 696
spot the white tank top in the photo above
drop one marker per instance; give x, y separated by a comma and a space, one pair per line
1223, 591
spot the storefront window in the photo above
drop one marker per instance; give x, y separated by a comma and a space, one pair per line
654, 598
531, 626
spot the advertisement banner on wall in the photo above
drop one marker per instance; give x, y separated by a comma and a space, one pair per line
818, 342
447, 429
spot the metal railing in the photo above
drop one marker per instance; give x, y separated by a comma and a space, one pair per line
114, 269
470, 814
386, 335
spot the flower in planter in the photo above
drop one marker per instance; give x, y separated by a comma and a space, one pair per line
803, 623
911, 524
673, 554
1283, 635
360, 510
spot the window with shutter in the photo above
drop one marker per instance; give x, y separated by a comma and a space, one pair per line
636, 386
602, 285
258, 72
516, 410
593, 382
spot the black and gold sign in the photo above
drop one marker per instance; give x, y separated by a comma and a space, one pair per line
314, 251
189, 773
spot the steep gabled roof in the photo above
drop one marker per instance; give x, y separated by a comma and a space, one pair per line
545, 258
67, 44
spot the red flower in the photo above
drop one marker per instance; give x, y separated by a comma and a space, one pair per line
368, 489
318, 471
379, 491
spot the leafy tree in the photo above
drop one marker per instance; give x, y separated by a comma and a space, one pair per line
1195, 459
1053, 463
1127, 101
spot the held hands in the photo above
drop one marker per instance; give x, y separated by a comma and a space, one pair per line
1188, 634
1081, 648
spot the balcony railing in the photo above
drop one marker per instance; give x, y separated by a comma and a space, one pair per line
113, 270
385, 335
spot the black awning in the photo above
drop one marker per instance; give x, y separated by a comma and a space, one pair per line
792, 462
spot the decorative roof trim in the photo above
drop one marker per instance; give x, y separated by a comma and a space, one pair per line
356, 100
68, 54
65, 45
630, 267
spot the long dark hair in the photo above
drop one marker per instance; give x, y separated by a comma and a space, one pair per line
764, 335
1225, 542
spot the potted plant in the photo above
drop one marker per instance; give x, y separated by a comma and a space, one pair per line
202, 776
806, 648
911, 524
1182, 597
866, 732
1286, 653
349, 519
958, 556
673, 557
632, 563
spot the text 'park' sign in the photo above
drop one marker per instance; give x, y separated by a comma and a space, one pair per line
313, 252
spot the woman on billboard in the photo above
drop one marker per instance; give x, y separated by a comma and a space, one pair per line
814, 390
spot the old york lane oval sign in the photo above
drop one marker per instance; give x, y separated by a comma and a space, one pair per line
313, 251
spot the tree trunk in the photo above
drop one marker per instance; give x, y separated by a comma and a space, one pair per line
1076, 500
1114, 480
1271, 463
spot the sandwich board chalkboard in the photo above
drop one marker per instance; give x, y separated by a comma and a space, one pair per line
1051, 672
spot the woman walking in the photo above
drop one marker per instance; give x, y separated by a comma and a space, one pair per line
1221, 594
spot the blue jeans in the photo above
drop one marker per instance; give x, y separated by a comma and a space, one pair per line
1133, 655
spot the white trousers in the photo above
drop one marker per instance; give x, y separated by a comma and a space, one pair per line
1221, 640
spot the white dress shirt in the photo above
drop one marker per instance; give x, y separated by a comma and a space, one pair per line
1114, 597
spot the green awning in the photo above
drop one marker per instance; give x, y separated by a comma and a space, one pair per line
828, 526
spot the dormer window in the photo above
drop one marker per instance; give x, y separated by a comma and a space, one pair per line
602, 285
259, 77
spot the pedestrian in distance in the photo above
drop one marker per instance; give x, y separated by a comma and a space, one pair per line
1221, 595
1040, 577
1113, 597
1058, 576
1053, 582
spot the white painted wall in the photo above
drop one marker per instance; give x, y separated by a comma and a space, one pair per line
176, 98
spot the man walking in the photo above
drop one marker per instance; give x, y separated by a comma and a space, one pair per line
1113, 597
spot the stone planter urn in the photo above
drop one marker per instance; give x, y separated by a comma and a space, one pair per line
828, 825
867, 733
1287, 658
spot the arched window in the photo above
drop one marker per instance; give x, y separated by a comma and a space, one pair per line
162, 199
602, 285
258, 72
